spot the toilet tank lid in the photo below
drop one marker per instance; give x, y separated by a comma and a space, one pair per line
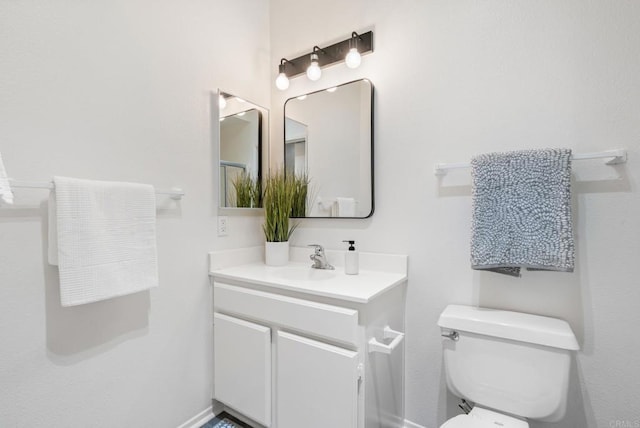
518, 326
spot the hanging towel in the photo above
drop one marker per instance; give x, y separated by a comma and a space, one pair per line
106, 233
6, 195
522, 211
346, 207
52, 241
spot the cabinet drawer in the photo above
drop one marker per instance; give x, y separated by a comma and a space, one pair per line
328, 321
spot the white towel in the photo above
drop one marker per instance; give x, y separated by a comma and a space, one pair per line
346, 207
52, 246
106, 234
6, 195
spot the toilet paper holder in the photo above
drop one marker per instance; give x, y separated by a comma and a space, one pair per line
387, 333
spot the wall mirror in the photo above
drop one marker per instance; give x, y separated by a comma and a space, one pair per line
329, 137
244, 133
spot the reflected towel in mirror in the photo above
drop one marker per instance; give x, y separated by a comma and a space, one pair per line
346, 207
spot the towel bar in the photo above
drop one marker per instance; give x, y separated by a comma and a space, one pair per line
175, 193
615, 157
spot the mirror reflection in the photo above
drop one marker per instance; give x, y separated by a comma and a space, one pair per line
242, 128
329, 137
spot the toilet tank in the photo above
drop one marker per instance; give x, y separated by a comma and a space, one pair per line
508, 361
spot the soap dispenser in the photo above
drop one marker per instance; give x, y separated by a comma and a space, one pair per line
351, 263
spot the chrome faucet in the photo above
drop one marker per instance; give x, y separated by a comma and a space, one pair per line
319, 258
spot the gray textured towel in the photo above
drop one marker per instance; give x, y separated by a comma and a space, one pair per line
522, 211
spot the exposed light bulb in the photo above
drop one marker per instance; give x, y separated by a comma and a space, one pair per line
353, 58
313, 71
222, 103
282, 82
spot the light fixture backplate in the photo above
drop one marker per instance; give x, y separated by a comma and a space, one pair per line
329, 55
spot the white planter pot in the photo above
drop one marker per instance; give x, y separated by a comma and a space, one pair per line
276, 253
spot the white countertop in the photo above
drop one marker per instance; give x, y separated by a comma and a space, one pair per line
300, 277
378, 273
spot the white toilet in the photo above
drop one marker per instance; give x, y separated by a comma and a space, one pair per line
513, 366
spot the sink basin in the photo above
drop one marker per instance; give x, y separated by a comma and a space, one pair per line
303, 273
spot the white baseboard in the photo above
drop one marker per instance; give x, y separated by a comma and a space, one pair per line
200, 419
409, 424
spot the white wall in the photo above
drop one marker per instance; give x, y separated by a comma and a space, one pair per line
116, 90
454, 79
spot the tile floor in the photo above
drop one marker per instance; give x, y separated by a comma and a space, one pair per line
224, 420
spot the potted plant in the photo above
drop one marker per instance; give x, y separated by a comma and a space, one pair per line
277, 201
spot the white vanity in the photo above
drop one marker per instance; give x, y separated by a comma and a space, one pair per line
299, 347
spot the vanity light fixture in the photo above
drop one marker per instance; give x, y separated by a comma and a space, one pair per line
349, 50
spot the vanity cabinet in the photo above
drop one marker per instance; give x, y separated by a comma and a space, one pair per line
314, 381
289, 356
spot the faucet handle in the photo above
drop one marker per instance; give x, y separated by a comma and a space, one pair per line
318, 248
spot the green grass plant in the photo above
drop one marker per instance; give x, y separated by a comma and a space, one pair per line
247, 191
278, 195
300, 192
256, 193
242, 184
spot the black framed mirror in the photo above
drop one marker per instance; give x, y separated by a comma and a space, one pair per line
329, 138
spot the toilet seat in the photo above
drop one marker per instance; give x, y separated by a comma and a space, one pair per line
484, 418
466, 421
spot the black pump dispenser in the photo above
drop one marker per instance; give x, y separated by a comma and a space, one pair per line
351, 263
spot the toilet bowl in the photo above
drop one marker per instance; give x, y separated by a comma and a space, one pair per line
488, 355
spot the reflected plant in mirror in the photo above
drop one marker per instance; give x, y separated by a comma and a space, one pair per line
329, 140
243, 139
301, 195
248, 193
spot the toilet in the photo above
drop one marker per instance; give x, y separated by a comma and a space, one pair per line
513, 366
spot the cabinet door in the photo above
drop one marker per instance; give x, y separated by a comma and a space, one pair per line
242, 367
316, 383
